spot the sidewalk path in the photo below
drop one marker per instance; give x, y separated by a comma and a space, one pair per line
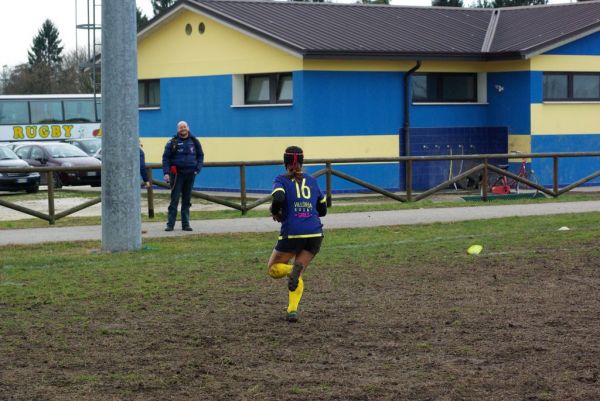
334, 220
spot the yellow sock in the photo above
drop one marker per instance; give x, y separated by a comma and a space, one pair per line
279, 270
295, 296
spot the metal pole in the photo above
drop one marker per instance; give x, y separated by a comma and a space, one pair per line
406, 128
121, 207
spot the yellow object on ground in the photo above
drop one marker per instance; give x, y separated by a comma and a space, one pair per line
474, 249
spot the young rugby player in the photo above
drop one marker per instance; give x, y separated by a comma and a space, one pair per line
297, 204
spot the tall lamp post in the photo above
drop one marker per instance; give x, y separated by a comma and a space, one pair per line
121, 211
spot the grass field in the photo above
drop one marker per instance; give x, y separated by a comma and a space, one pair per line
394, 313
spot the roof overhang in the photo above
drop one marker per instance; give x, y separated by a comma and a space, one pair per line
564, 40
297, 51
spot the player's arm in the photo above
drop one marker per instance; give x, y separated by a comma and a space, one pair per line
278, 196
322, 207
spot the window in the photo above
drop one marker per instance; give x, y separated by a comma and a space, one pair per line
268, 89
46, 111
37, 153
23, 152
444, 88
14, 112
79, 111
149, 93
571, 86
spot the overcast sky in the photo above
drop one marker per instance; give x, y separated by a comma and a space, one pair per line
21, 19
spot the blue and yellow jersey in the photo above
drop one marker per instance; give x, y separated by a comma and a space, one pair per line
299, 216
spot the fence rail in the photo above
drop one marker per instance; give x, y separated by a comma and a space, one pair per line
482, 169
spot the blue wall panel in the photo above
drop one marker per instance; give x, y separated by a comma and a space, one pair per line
325, 103
509, 101
343, 103
448, 116
570, 169
588, 46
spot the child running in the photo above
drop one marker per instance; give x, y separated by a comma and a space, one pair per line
297, 204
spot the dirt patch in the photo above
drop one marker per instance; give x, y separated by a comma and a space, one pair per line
494, 328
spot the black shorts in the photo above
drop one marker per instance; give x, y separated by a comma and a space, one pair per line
296, 245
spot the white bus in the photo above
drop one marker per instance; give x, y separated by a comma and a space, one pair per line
49, 117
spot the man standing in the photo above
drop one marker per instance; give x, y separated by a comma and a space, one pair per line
182, 161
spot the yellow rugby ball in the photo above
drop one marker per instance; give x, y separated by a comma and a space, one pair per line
474, 249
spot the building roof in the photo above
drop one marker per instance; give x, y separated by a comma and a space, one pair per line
327, 30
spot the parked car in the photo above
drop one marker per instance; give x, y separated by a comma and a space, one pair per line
91, 146
29, 182
57, 154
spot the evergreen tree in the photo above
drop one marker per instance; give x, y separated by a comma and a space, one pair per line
447, 3
159, 6
484, 4
46, 48
140, 18
515, 3
508, 3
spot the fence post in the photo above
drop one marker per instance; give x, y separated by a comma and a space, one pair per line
328, 183
484, 181
555, 175
51, 211
409, 180
150, 192
243, 188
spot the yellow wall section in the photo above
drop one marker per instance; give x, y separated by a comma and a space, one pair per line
562, 118
519, 143
565, 63
169, 52
271, 148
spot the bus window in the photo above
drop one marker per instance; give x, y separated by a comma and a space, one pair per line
14, 112
79, 111
99, 110
46, 111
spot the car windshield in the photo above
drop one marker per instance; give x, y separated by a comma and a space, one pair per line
64, 150
7, 154
91, 146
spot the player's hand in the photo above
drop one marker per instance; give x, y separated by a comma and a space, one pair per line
167, 178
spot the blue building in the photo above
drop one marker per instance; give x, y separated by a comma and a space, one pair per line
252, 77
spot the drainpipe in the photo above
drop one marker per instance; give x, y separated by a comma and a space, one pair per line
406, 129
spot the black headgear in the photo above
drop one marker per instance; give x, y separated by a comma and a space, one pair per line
293, 156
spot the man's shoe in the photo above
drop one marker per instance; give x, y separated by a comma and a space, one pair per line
187, 228
168, 228
292, 317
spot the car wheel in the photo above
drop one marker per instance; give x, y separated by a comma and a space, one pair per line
33, 190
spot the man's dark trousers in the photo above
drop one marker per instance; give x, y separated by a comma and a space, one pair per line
182, 187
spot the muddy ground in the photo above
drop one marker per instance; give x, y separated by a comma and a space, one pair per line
516, 327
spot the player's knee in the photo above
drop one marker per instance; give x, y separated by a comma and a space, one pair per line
278, 270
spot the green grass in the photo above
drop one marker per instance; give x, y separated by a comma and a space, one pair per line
80, 272
389, 309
